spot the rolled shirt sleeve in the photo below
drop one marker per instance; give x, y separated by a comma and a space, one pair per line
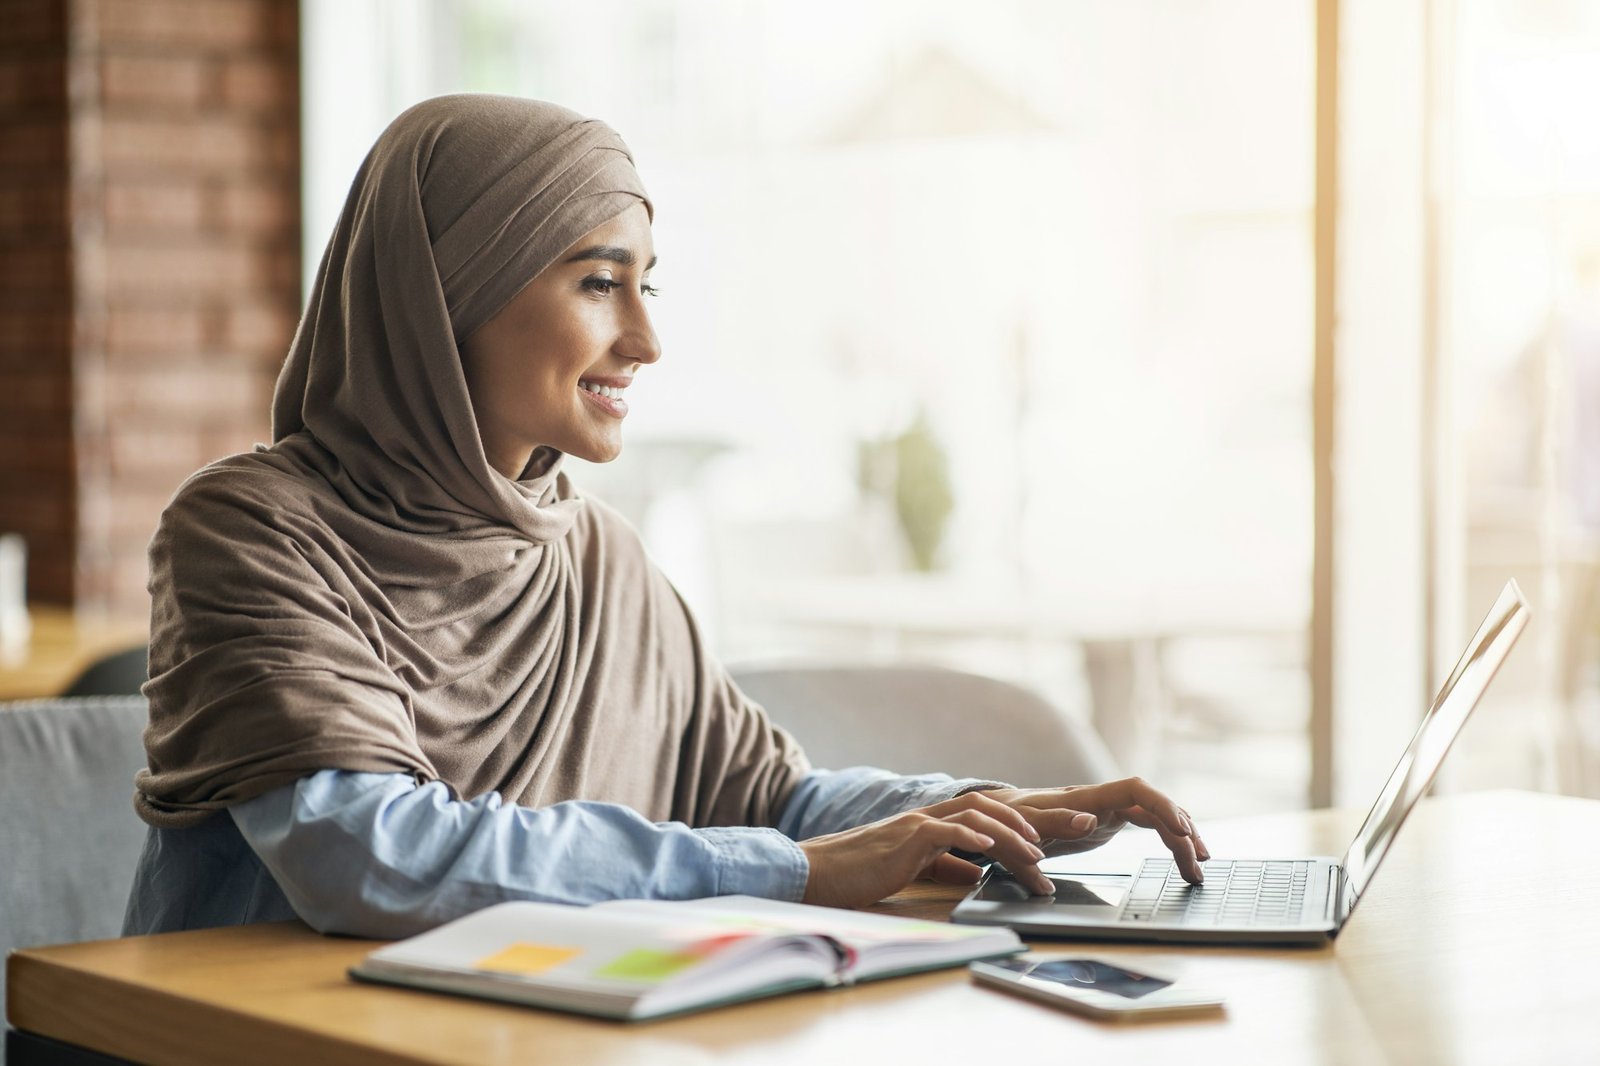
829, 801
378, 855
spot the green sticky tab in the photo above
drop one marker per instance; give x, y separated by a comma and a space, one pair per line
646, 964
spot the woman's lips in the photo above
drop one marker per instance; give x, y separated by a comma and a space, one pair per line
613, 404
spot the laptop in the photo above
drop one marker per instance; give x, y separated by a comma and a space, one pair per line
1286, 901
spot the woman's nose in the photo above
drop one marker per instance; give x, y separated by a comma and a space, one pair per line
638, 341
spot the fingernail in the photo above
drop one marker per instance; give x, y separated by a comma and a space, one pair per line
1046, 887
1037, 853
1031, 833
1083, 822
985, 841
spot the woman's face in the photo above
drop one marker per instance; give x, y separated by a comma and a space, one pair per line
549, 368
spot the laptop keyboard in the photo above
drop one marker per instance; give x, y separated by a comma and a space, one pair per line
1235, 893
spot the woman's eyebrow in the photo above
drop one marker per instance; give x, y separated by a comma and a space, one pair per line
611, 254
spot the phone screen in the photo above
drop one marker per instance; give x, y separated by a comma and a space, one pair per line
1087, 973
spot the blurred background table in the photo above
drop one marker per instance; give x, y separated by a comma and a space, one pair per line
1125, 632
61, 644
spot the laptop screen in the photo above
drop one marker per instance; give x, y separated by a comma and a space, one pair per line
1415, 771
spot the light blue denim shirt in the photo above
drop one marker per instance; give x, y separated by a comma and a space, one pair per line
378, 855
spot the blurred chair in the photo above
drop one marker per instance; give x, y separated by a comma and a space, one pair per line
69, 839
914, 719
121, 673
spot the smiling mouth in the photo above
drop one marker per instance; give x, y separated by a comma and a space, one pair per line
606, 397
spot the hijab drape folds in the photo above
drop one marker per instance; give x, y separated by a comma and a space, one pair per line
368, 594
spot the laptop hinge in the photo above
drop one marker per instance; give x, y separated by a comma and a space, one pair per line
1338, 911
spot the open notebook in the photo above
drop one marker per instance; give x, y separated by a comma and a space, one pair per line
634, 959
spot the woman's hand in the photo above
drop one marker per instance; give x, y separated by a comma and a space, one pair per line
860, 866
1056, 813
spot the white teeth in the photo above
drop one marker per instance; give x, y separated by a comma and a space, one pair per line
601, 390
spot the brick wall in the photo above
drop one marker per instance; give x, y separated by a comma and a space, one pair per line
36, 446
149, 261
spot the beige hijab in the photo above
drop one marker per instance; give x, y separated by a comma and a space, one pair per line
369, 594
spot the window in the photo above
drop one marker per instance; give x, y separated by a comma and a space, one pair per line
1519, 196
987, 331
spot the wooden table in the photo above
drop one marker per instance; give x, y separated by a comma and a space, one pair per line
61, 645
1465, 951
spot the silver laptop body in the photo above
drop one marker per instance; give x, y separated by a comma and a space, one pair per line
1286, 901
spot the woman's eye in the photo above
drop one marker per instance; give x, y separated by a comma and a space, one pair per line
604, 286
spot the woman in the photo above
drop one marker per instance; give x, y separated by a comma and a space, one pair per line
400, 670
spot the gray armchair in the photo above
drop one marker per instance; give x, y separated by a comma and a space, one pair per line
121, 673
914, 719
68, 836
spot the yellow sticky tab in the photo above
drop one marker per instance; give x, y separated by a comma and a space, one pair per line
526, 958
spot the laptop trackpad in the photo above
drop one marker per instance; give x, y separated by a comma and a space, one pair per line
1091, 896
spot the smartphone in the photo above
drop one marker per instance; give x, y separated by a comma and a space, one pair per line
1092, 987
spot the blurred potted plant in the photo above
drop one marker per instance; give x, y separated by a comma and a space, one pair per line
912, 471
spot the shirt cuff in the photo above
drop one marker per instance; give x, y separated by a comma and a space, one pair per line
961, 788
758, 862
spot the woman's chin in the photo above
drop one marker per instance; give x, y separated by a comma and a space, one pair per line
599, 453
